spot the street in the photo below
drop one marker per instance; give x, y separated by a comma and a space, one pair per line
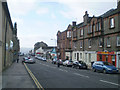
50, 76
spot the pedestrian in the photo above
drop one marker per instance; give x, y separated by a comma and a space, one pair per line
17, 60
58, 64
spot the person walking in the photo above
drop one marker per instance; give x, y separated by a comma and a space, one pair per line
58, 63
17, 60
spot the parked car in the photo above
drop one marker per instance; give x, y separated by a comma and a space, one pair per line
104, 67
44, 59
68, 63
25, 59
79, 64
60, 62
31, 61
28, 60
54, 61
38, 57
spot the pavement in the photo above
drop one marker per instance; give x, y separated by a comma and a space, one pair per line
16, 76
0, 80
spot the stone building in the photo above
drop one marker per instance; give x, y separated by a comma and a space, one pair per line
96, 38
6, 36
64, 43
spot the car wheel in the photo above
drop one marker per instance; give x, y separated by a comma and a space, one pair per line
94, 70
73, 66
104, 71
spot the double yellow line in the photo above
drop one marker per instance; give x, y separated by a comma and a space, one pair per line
34, 78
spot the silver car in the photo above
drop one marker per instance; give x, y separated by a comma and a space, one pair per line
68, 63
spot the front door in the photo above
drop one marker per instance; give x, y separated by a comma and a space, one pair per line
77, 56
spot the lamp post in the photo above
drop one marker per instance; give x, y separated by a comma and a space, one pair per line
54, 40
54, 47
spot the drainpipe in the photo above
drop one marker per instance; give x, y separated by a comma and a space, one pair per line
5, 44
102, 34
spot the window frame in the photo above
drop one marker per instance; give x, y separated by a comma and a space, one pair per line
89, 43
108, 42
112, 22
81, 44
81, 32
118, 40
100, 42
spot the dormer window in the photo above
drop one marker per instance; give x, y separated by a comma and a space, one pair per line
81, 32
112, 22
68, 34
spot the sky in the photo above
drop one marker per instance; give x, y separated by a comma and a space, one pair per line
40, 20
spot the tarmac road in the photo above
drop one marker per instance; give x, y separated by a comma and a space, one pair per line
50, 76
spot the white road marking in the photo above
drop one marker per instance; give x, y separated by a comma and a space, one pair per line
110, 82
63, 70
81, 75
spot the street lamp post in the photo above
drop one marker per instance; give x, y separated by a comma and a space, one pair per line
54, 46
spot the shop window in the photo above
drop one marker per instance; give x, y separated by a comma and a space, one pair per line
100, 57
113, 60
112, 24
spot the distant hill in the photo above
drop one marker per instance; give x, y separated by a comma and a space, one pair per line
25, 50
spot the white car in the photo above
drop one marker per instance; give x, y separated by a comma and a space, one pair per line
68, 63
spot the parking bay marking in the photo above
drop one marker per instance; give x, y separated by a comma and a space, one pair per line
110, 82
81, 75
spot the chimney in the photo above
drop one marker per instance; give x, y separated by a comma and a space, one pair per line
85, 17
15, 28
74, 23
118, 4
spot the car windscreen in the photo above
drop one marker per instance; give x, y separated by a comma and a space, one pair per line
81, 62
107, 63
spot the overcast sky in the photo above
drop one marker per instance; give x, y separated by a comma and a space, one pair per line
39, 20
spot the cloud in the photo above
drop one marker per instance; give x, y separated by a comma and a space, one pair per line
42, 11
53, 16
21, 7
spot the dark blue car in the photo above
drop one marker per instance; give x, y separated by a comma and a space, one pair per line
104, 67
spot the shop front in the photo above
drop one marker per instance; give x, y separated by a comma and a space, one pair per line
110, 57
